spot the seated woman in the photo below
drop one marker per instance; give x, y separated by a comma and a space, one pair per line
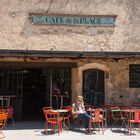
78, 112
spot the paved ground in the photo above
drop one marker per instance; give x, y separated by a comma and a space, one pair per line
35, 131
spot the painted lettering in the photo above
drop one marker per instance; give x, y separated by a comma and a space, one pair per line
74, 20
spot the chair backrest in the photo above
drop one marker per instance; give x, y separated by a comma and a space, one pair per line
116, 113
47, 108
97, 114
53, 113
3, 117
125, 107
1, 108
136, 115
49, 114
66, 108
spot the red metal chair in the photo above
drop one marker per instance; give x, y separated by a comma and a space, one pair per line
67, 115
47, 108
53, 118
135, 118
1, 109
3, 118
119, 119
95, 117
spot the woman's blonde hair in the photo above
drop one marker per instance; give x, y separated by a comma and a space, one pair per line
80, 97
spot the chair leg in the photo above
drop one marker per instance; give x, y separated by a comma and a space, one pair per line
123, 124
69, 122
102, 127
139, 127
89, 126
46, 127
13, 121
53, 127
130, 127
75, 122
2, 135
1, 131
60, 128
99, 126
113, 125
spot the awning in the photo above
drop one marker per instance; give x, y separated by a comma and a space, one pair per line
68, 54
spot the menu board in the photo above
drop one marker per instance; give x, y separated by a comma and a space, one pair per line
134, 75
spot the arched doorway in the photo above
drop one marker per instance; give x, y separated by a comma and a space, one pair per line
93, 87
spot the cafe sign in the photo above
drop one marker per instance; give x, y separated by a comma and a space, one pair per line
73, 20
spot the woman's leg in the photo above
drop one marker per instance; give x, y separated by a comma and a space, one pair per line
75, 121
86, 117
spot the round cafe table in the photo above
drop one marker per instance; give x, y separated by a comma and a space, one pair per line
62, 112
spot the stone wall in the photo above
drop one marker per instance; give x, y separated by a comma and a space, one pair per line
117, 90
17, 32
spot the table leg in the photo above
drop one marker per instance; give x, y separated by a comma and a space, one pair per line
57, 102
8, 101
105, 118
61, 102
1, 98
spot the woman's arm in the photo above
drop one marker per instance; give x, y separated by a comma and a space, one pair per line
74, 111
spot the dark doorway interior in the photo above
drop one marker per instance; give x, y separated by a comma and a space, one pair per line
93, 87
34, 94
33, 88
38, 85
61, 79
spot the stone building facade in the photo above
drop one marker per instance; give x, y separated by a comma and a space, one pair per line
107, 49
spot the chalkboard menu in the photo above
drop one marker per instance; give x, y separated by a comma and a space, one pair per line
134, 75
